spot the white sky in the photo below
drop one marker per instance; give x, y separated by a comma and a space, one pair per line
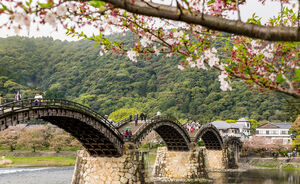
252, 6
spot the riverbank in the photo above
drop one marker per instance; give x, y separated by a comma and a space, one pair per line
68, 158
37, 159
272, 163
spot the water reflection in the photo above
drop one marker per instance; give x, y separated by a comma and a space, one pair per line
258, 176
63, 175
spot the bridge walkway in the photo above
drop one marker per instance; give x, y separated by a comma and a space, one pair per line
131, 124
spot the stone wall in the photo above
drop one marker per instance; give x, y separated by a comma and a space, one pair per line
215, 160
179, 165
109, 170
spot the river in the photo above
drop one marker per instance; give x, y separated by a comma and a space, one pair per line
63, 175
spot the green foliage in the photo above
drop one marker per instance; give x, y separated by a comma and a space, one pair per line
230, 121
123, 113
297, 75
254, 19
76, 71
97, 4
296, 143
253, 125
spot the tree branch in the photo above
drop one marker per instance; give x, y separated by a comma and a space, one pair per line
238, 9
269, 33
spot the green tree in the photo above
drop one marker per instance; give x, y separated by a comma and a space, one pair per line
122, 113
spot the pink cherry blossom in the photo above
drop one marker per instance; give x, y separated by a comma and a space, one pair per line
145, 41
180, 67
51, 19
200, 63
224, 84
61, 10
131, 54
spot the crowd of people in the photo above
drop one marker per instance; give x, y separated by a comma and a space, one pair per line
136, 117
192, 126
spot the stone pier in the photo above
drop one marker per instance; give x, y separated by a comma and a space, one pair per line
232, 155
218, 160
177, 166
109, 170
215, 160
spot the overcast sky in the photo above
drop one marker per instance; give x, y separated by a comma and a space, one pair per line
269, 10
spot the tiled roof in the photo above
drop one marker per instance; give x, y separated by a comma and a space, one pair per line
221, 125
225, 125
284, 125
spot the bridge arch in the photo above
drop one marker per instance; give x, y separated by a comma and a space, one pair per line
95, 133
210, 136
232, 141
169, 129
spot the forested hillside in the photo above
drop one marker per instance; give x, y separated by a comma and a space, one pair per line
76, 71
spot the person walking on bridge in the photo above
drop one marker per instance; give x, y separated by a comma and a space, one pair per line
158, 114
38, 99
1, 102
142, 116
18, 96
136, 118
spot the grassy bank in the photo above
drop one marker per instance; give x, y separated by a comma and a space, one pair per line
283, 163
37, 159
40, 161
282, 166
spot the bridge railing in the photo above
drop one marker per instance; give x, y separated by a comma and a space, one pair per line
122, 122
11, 107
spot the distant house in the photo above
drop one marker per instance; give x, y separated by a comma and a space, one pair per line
275, 131
239, 129
227, 129
244, 126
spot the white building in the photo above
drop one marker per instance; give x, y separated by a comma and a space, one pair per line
244, 126
275, 131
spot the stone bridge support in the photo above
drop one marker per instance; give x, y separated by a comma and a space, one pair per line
218, 160
127, 169
232, 155
179, 166
215, 160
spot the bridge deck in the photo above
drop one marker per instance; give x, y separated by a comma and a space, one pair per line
133, 129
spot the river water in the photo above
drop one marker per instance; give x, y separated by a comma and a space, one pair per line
63, 175
36, 175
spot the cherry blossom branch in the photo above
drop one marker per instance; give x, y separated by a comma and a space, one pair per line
269, 33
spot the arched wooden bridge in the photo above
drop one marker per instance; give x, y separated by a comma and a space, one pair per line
99, 136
